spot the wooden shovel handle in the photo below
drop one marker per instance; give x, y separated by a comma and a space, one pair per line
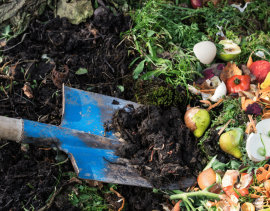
11, 129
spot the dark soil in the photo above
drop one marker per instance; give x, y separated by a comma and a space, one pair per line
159, 145
28, 177
138, 198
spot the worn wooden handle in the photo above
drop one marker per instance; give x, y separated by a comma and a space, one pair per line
11, 129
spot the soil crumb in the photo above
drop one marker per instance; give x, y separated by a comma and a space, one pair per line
158, 143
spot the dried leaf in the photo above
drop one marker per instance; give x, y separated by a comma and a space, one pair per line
74, 179
94, 183
58, 78
3, 42
230, 70
250, 61
27, 90
252, 123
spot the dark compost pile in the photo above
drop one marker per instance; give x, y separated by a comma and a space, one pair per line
53, 42
159, 144
28, 177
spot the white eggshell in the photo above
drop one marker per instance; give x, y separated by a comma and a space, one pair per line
263, 126
254, 143
205, 51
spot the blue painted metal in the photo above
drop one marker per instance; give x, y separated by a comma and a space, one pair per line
81, 137
87, 111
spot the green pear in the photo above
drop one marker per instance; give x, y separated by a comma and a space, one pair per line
230, 142
202, 121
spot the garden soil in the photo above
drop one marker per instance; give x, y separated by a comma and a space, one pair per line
28, 174
50, 52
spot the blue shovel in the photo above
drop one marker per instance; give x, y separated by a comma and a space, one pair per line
81, 136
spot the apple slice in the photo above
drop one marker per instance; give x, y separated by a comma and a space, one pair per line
232, 50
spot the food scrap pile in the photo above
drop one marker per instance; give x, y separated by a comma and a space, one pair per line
244, 181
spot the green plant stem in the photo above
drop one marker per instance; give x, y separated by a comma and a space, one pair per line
185, 196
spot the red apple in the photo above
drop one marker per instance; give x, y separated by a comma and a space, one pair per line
260, 69
196, 3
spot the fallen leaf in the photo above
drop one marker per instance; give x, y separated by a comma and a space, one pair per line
74, 179
230, 70
27, 90
3, 42
94, 183
250, 61
58, 78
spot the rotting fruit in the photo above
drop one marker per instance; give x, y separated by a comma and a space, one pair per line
260, 69
206, 178
197, 120
230, 142
230, 50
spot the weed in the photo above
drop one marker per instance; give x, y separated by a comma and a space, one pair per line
90, 198
56, 93
6, 33
34, 85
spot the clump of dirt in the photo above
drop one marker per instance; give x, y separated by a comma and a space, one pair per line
159, 143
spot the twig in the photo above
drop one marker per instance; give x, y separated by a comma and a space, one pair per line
47, 206
225, 126
109, 65
6, 77
4, 145
16, 44
25, 99
56, 164
1, 70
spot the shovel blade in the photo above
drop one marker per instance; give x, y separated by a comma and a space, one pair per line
87, 112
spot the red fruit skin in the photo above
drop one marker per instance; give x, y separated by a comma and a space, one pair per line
260, 69
196, 3
230, 191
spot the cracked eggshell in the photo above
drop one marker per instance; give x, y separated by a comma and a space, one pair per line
254, 143
205, 51
221, 90
263, 126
